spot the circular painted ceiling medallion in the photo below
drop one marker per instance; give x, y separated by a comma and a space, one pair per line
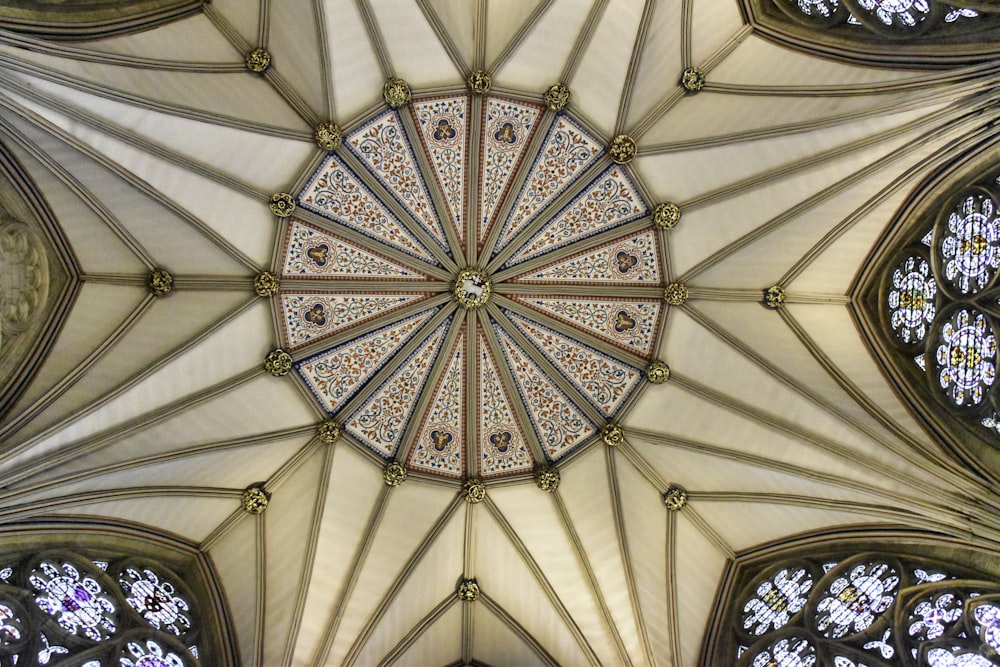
463, 303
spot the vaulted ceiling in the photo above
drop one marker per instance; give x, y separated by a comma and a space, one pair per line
160, 149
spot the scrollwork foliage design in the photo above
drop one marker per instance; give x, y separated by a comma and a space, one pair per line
870, 609
60, 606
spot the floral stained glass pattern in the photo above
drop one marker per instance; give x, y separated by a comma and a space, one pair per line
76, 598
911, 299
869, 610
970, 244
156, 599
61, 607
776, 600
966, 357
853, 601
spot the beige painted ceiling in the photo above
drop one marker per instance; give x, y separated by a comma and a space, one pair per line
160, 149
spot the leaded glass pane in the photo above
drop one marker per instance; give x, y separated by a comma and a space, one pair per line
910, 299
965, 357
787, 652
75, 597
776, 600
969, 249
156, 599
855, 598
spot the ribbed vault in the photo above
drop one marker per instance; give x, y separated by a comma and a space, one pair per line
162, 149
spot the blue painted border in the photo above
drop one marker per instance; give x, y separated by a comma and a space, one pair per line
402, 367
320, 212
517, 385
322, 404
514, 317
638, 193
538, 156
420, 174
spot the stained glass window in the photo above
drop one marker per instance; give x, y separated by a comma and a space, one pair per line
868, 610
939, 300
58, 605
886, 18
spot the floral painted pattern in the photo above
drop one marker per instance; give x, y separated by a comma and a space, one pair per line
632, 324
444, 133
480, 404
503, 449
611, 201
311, 317
335, 192
605, 381
382, 147
311, 253
566, 153
507, 128
558, 422
630, 260
440, 446
336, 375
380, 422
